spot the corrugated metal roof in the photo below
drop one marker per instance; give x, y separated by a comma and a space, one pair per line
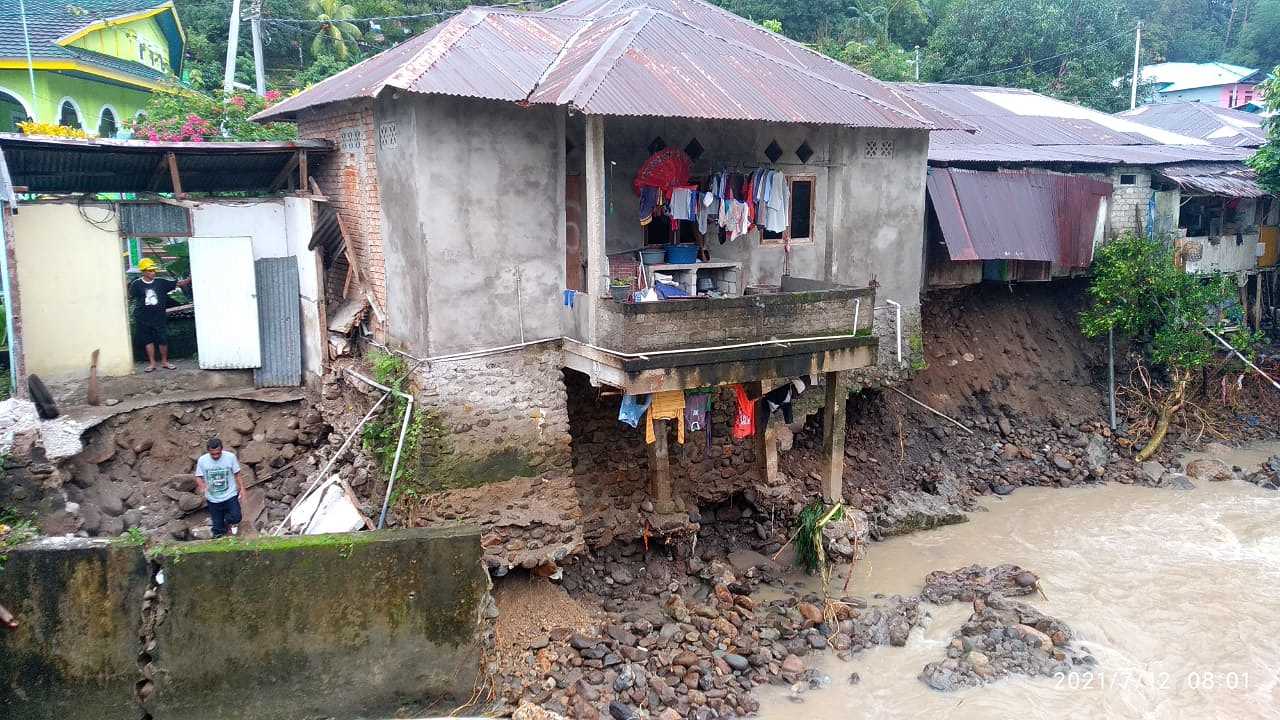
1020, 126
671, 58
55, 165
1220, 126
279, 322
651, 63
1022, 215
50, 20
1229, 179
1176, 76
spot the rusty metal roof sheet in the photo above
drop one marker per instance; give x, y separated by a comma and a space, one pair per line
1220, 126
1229, 179
60, 165
1022, 215
672, 58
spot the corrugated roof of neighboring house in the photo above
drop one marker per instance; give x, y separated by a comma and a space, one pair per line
1020, 126
1220, 126
1176, 76
670, 58
51, 21
1229, 179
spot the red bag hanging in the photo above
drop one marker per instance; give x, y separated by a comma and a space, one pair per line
744, 420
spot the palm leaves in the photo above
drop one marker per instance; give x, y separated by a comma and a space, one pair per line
336, 30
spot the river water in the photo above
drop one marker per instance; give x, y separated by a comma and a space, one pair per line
1176, 593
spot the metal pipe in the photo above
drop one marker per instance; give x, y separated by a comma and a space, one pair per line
897, 321
395, 464
1246, 360
935, 412
654, 353
1111, 376
857, 310
320, 476
377, 385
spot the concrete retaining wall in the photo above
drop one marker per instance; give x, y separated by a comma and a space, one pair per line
335, 626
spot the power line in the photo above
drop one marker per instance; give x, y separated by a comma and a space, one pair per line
1123, 33
418, 16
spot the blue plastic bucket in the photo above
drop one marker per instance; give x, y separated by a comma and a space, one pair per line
683, 254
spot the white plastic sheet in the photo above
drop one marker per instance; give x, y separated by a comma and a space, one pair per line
328, 509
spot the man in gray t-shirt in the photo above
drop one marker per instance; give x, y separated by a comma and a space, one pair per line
218, 477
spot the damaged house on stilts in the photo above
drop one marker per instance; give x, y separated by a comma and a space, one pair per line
613, 238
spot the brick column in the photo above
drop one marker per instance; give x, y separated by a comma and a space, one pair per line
660, 467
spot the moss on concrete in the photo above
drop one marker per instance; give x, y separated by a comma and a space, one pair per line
443, 467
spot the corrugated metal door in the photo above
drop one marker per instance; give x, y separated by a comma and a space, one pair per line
279, 317
226, 299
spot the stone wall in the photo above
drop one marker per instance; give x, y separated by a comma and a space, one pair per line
335, 626
74, 654
643, 327
1128, 209
493, 418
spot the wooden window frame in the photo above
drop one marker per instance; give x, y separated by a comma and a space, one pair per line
786, 237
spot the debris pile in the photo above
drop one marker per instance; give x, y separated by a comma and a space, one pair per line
976, 581
1004, 637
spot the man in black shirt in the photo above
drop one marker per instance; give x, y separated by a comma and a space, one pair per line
149, 294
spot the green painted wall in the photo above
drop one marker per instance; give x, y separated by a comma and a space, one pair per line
89, 95
140, 41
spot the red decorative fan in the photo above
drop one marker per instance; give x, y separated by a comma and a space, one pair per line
664, 170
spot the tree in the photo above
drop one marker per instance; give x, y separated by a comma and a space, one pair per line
880, 59
1259, 37
335, 30
182, 115
1266, 162
1139, 292
1070, 49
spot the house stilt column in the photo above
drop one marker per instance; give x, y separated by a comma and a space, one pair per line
596, 174
660, 466
833, 439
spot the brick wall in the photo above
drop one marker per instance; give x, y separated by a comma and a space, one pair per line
349, 177
1128, 208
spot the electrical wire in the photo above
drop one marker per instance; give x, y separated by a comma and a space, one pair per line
1123, 33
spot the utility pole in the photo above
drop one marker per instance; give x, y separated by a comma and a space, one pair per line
255, 27
917, 63
233, 40
31, 68
1137, 53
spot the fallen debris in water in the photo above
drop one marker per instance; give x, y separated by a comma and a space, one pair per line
1004, 637
941, 587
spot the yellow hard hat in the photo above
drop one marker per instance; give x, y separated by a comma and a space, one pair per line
147, 264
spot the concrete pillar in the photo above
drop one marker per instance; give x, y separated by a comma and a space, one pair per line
833, 437
770, 451
660, 465
596, 175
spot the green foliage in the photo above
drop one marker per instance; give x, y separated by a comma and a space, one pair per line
1266, 162
15, 529
335, 32
186, 115
808, 534
880, 59
1139, 292
133, 537
382, 433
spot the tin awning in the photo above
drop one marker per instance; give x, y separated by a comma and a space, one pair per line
1022, 215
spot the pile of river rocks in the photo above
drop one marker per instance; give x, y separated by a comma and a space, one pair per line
1268, 478
967, 583
1004, 637
700, 647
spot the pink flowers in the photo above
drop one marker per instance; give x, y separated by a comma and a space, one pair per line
237, 100
193, 129
272, 96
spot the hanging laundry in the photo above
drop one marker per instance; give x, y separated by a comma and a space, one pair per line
633, 408
744, 420
683, 201
778, 205
780, 397
667, 405
696, 408
648, 203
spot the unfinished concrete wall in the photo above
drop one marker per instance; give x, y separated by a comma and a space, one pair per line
738, 146
473, 194
493, 418
71, 285
644, 327
335, 626
878, 216
79, 608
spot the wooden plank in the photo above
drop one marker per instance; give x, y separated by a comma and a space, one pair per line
316, 193
285, 173
303, 177
174, 178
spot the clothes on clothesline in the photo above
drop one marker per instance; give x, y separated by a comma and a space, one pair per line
697, 407
633, 409
666, 405
740, 202
744, 419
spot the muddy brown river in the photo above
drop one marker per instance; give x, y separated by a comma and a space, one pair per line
1176, 593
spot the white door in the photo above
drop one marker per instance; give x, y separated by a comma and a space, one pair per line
226, 299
